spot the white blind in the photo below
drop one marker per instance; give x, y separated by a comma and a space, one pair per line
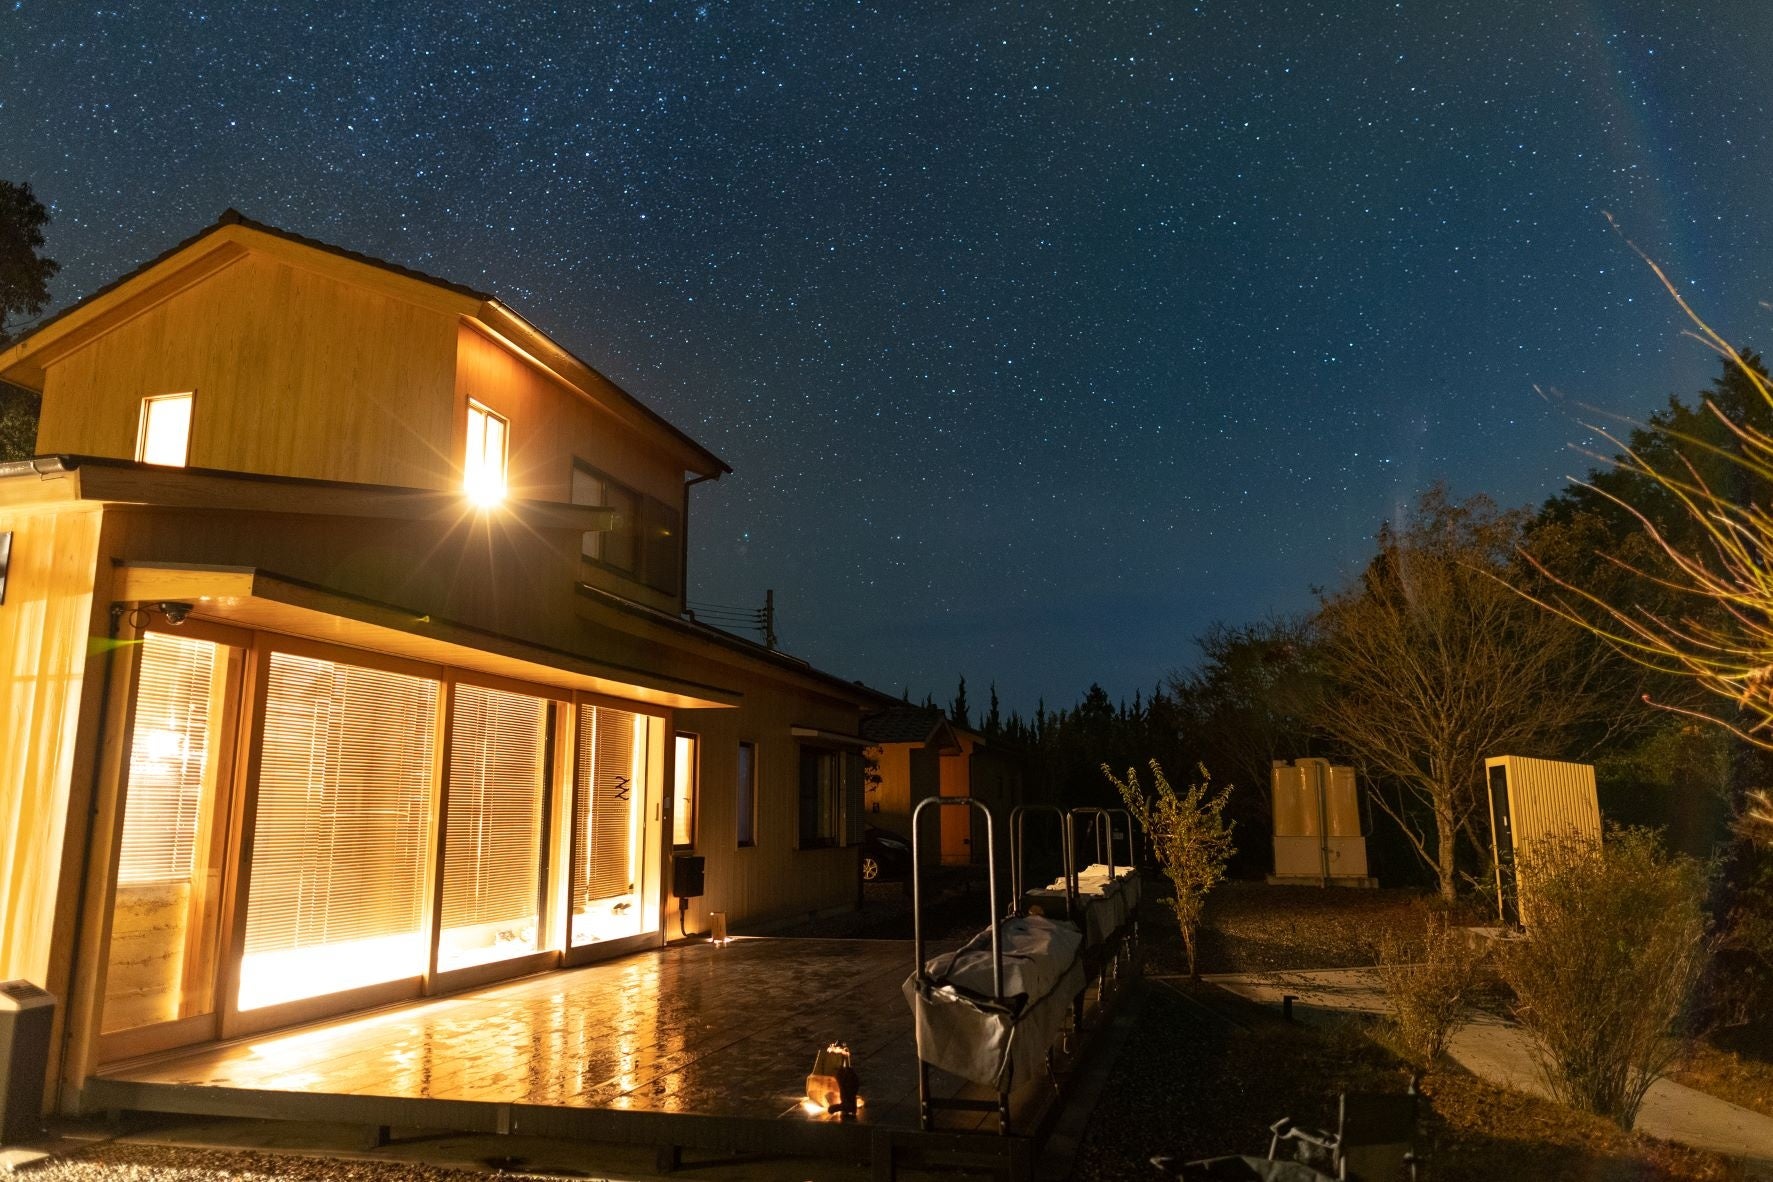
344, 793
611, 786
168, 759
493, 834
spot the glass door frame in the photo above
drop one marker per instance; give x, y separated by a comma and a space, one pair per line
655, 844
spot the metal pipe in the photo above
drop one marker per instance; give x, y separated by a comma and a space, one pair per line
1323, 823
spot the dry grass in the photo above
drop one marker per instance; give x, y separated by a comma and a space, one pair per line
1190, 1082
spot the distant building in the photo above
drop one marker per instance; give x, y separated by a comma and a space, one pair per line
917, 753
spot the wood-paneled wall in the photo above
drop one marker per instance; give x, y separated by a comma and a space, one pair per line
551, 426
772, 880
295, 372
44, 626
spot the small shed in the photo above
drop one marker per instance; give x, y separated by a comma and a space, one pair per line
1532, 800
1318, 839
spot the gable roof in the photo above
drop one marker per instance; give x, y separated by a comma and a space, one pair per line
486, 309
909, 724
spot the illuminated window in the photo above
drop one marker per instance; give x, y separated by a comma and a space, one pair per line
163, 920
164, 436
683, 794
483, 464
747, 794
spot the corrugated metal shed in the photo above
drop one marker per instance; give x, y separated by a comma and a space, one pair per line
1532, 800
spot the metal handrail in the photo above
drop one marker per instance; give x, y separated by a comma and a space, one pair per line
1019, 859
917, 887
1104, 834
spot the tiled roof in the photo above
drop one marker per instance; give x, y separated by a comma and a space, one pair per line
902, 724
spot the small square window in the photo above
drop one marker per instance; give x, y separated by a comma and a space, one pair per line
483, 461
164, 434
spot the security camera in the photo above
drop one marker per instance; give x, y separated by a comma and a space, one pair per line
175, 613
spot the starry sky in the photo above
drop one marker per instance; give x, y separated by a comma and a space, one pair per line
1039, 336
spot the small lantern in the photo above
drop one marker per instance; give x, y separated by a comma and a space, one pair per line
832, 1085
717, 928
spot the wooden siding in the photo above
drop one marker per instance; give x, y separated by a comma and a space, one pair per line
296, 373
44, 625
552, 425
771, 881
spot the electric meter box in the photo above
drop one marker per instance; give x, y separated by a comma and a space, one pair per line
26, 1015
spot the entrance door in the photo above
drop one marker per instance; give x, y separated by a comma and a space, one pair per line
1507, 889
615, 858
957, 823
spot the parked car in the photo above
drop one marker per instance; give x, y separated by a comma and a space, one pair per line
885, 855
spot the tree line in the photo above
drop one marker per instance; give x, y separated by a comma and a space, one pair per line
1471, 630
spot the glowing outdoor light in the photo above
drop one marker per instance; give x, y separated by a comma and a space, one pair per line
832, 1085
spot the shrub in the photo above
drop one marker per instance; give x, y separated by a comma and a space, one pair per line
1189, 835
1605, 979
1429, 978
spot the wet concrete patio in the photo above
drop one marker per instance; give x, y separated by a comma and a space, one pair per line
690, 1045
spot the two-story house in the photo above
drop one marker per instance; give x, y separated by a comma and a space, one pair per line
345, 661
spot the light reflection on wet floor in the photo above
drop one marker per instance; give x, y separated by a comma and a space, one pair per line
717, 1031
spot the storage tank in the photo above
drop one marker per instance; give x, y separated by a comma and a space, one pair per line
1317, 826
1530, 800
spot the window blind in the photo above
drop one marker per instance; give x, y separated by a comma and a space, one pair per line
168, 759
338, 863
611, 787
493, 833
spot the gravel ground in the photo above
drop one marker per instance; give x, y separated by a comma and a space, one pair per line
122, 1162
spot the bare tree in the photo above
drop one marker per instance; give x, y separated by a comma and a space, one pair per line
1432, 662
1704, 505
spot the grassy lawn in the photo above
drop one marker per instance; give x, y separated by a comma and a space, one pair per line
1205, 1073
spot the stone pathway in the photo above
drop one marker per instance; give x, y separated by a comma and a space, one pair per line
1500, 1052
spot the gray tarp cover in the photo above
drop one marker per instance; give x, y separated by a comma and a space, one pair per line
998, 1041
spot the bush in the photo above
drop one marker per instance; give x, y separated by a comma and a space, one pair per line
1605, 979
1190, 836
1429, 977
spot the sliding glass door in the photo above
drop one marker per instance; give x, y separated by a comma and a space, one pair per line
338, 895
494, 827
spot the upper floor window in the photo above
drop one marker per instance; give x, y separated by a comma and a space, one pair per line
643, 543
483, 465
164, 435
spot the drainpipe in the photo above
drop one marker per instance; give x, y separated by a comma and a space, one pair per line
1323, 823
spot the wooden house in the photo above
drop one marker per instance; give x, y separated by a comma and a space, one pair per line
915, 752
346, 662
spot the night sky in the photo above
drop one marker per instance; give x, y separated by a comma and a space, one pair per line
1039, 337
